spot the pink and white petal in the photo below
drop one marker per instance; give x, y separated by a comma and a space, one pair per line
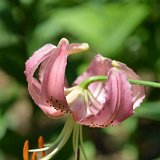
99, 66
51, 112
119, 102
98, 91
76, 47
31, 66
52, 89
138, 91
34, 90
77, 103
38, 56
42, 69
92, 104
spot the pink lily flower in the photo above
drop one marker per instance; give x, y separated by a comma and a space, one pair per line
103, 103
48, 90
97, 104
112, 101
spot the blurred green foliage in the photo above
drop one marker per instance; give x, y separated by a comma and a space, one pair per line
128, 31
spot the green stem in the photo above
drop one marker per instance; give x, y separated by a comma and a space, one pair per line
70, 124
93, 79
81, 144
145, 83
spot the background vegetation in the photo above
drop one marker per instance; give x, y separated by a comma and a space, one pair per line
128, 31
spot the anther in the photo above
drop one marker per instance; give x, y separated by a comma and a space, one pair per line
25, 150
34, 156
41, 145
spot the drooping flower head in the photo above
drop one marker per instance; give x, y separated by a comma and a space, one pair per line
112, 101
48, 90
101, 104
90, 101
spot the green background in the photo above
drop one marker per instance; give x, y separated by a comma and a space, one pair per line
127, 31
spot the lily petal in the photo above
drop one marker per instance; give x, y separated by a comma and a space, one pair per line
39, 56
76, 47
31, 66
34, 85
118, 104
99, 66
96, 94
77, 102
138, 91
52, 90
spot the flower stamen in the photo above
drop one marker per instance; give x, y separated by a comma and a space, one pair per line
26, 150
34, 156
41, 145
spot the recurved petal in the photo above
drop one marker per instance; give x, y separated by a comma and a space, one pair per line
138, 91
51, 112
71, 49
52, 90
31, 66
118, 104
77, 103
99, 66
76, 47
42, 69
37, 57
34, 90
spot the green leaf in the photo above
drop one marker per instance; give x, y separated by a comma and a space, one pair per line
6, 38
3, 125
150, 110
104, 27
128, 127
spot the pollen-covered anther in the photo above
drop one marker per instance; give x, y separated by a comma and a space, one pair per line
41, 145
26, 150
34, 151
34, 156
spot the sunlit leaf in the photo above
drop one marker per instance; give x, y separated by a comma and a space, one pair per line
3, 126
149, 110
6, 38
103, 26
123, 130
